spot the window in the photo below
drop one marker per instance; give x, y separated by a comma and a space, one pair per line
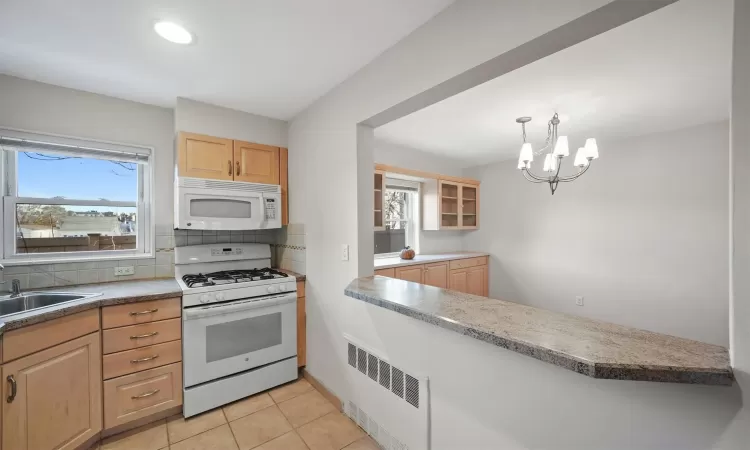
400, 217
69, 199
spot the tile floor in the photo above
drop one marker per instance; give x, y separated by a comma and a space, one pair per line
294, 416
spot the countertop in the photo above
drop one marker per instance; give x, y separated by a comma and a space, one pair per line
296, 275
387, 263
112, 294
589, 347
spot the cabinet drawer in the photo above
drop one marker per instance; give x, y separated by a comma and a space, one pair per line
135, 336
135, 313
130, 361
468, 262
27, 340
391, 273
141, 394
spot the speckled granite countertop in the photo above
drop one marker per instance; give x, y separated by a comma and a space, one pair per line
112, 294
296, 275
590, 347
387, 263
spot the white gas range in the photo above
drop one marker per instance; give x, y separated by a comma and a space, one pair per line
239, 323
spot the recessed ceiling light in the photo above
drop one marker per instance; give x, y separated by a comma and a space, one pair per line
173, 32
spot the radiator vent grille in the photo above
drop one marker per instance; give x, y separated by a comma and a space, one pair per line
376, 431
352, 356
397, 382
391, 378
372, 367
385, 374
362, 360
411, 394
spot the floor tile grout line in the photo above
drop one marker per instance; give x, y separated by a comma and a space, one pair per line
242, 417
169, 441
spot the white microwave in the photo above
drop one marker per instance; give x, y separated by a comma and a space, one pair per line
202, 204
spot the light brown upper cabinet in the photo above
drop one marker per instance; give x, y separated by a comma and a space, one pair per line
256, 163
450, 205
201, 156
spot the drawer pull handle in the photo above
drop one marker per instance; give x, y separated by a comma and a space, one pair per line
146, 394
148, 358
13, 388
140, 313
141, 336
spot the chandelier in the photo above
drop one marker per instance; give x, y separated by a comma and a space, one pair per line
556, 148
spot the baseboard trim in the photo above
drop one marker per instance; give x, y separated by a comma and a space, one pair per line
330, 396
161, 415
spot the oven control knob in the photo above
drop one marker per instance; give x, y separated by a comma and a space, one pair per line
205, 298
282, 288
220, 297
272, 289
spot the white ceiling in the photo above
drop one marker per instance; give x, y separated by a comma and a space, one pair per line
665, 71
268, 57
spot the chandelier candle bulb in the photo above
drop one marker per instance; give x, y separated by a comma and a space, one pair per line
526, 153
521, 164
550, 163
561, 148
581, 160
592, 151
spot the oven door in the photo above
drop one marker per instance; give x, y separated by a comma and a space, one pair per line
224, 339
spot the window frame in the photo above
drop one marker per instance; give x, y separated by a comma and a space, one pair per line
415, 213
145, 234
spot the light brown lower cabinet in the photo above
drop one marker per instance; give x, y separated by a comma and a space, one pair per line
469, 275
436, 274
410, 273
52, 399
141, 394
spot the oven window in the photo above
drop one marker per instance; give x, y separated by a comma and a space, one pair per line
229, 339
220, 208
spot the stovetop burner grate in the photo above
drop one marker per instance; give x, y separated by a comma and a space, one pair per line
231, 276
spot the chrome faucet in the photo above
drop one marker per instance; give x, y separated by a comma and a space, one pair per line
15, 285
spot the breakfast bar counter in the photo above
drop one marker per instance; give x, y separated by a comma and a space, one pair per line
586, 346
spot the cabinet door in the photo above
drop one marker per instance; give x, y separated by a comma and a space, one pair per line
256, 163
58, 397
458, 280
436, 274
204, 157
476, 280
410, 273
449, 197
469, 199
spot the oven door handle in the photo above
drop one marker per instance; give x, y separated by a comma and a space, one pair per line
234, 307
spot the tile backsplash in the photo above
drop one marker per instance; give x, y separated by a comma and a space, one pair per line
290, 248
287, 252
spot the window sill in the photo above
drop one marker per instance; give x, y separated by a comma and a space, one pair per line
63, 260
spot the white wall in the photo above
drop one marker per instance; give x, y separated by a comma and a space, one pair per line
642, 235
533, 406
204, 118
52, 109
411, 158
739, 316
39, 107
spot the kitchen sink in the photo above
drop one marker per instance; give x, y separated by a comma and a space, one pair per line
35, 300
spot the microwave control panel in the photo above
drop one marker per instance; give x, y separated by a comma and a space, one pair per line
270, 209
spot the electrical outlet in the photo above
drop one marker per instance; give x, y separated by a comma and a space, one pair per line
127, 270
345, 252
579, 300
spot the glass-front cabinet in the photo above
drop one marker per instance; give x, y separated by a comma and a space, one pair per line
450, 205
